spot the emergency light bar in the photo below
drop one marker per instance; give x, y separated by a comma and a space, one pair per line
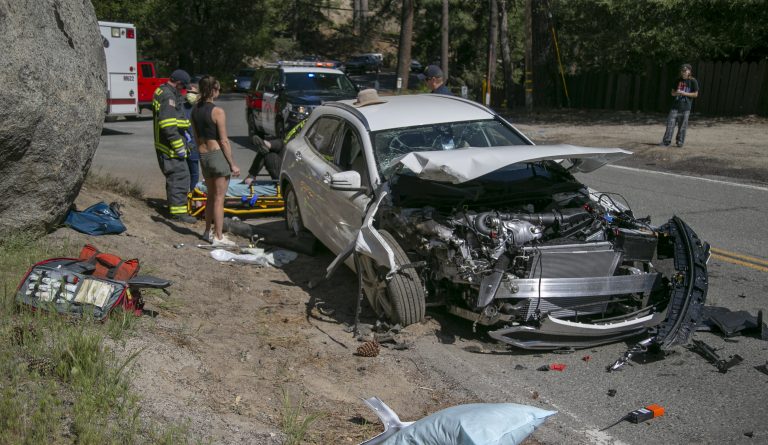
304, 63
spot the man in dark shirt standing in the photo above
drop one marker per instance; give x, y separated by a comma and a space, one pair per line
684, 91
433, 77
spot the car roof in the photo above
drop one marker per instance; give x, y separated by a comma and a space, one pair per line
420, 109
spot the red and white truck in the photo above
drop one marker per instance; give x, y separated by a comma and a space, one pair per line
119, 41
148, 83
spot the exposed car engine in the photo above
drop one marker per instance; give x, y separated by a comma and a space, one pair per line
566, 256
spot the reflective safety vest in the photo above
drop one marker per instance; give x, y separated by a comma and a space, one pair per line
294, 131
169, 121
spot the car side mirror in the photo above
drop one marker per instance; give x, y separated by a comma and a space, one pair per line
348, 181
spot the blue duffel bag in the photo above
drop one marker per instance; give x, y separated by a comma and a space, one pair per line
98, 219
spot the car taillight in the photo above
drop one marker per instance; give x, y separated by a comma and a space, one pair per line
130, 33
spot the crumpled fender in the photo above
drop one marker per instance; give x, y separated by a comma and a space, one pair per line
368, 240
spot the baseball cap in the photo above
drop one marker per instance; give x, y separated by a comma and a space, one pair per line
686, 66
431, 71
181, 76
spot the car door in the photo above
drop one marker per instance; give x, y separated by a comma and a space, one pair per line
266, 88
311, 165
347, 208
271, 92
255, 101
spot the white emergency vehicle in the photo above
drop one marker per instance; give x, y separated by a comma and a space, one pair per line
119, 41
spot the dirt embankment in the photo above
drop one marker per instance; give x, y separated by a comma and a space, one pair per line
234, 345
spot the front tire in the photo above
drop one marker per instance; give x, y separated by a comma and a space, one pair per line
401, 299
293, 219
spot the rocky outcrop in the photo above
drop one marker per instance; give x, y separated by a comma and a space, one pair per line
52, 100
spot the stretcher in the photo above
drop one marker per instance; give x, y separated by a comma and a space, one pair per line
260, 197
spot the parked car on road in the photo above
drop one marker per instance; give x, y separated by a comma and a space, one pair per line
362, 64
284, 94
416, 66
242, 81
436, 200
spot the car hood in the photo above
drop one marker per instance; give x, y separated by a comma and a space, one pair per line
315, 99
465, 164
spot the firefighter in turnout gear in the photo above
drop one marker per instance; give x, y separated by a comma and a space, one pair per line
169, 125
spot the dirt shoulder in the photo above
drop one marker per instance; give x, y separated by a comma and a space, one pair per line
735, 147
224, 350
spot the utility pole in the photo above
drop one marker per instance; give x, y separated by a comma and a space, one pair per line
444, 42
492, 38
528, 56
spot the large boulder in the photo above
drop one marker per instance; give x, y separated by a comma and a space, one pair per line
52, 91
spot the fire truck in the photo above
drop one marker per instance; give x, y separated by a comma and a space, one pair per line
119, 41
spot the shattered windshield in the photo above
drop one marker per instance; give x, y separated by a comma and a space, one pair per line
327, 83
389, 145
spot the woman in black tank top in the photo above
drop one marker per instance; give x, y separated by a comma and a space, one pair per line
216, 162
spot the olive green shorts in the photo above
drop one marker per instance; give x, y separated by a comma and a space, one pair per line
214, 164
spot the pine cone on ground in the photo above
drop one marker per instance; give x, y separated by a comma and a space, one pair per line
368, 349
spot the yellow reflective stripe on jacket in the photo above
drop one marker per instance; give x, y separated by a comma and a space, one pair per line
183, 123
177, 143
167, 122
165, 150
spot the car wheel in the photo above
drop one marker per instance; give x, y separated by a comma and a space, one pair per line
293, 220
401, 299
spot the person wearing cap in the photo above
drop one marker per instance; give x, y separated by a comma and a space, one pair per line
169, 125
433, 77
685, 89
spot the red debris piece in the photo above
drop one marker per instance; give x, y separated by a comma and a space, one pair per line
587, 358
557, 366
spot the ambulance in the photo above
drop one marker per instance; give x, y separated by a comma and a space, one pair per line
119, 41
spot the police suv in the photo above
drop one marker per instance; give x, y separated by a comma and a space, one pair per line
283, 94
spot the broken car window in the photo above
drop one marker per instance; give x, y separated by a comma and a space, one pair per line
389, 145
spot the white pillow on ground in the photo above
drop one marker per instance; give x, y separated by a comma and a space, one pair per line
473, 424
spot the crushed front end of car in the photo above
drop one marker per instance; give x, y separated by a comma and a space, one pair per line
538, 257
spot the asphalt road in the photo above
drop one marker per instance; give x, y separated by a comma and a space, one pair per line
703, 406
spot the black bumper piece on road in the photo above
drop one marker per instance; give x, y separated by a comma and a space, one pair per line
686, 304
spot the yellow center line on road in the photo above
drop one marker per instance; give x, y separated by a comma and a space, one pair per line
740, 259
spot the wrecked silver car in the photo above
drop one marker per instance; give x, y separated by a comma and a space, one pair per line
459, 209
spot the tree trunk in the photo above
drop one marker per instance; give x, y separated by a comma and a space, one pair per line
506, 58
493, 35
528, 56
363, 16
404, 51
444, 42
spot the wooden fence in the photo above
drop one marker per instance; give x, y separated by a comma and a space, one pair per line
725, 88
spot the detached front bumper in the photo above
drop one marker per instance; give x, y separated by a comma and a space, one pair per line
673, 325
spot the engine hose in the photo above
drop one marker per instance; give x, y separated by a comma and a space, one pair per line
559, 217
